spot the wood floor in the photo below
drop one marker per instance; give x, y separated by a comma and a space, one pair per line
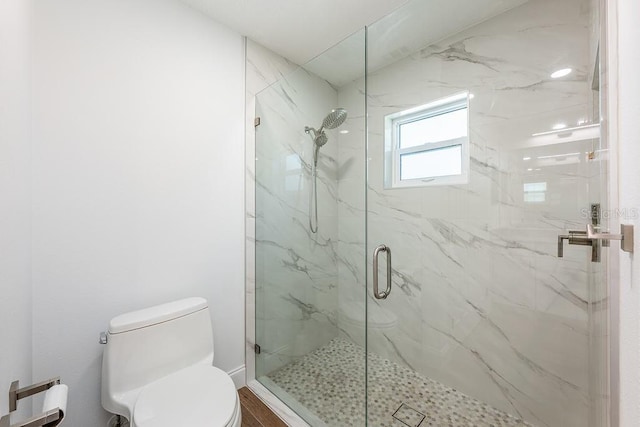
255, 413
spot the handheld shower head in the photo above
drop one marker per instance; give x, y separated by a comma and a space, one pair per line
318, 136
334, 119
320, 139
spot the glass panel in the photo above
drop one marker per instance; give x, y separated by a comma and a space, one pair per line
484, 324
433, 163
438, 128
312, 345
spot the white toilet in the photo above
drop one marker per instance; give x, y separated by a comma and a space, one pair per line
157, 369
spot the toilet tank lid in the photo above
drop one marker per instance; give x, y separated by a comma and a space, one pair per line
157, 314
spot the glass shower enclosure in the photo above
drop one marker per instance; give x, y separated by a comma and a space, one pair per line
422, 194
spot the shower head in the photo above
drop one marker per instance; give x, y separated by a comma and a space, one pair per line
334, 119
320, 139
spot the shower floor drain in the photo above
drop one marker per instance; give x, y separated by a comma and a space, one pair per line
408, 416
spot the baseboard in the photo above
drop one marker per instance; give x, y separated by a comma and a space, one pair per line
239, 376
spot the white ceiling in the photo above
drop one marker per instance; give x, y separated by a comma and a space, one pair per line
299, 30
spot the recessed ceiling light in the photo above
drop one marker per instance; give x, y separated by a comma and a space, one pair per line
561, 73
526, 158
530, 169
559, 126
344, 131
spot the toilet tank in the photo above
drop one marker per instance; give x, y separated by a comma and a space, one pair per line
146, 345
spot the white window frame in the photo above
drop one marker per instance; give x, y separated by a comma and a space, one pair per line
393, 152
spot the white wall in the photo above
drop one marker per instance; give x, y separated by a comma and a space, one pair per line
629, 198
138, 178
15, 198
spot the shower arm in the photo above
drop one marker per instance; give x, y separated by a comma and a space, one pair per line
308, 129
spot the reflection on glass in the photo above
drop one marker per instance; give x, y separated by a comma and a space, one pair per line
535, 192
293, 162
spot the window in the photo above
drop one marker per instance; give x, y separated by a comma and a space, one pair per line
429, 144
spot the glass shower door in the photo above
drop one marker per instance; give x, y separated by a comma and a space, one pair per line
310, 286
483, 150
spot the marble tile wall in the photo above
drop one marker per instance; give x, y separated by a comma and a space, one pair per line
481, 303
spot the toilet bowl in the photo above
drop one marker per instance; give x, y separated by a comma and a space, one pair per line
197, 396
157, 369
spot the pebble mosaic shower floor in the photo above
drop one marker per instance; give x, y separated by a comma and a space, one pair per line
330, 383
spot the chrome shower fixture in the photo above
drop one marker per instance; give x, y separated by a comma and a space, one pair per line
334, 119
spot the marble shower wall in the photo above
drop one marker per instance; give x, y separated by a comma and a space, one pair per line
480, 300
296, 270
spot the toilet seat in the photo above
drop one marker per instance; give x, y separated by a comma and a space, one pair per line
198, 396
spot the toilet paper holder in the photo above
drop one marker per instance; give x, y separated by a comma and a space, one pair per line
47, 418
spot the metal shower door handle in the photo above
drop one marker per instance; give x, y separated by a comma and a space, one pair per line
625, 236
376, 252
